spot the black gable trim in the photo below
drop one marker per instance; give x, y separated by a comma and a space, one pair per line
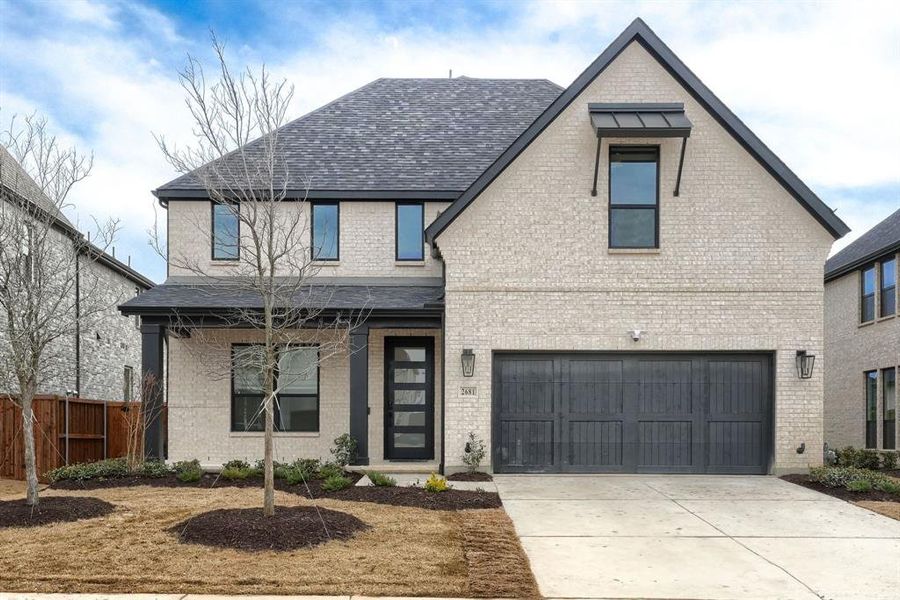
639, 31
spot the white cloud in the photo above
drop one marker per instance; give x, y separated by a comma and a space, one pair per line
816, 82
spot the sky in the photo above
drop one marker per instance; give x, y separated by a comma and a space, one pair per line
819, 83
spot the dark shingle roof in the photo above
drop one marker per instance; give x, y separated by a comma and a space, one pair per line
18, 181
371, 295
404, 134
882, 239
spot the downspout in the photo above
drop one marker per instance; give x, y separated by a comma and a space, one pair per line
443, 369
77, 325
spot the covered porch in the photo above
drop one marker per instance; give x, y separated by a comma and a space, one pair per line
381, 383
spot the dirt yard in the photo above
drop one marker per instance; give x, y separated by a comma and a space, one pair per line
405, 552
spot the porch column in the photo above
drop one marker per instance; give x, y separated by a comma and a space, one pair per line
152, 389
359, 392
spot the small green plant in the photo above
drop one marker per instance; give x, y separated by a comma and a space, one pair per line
889, 460
381, 480
153, 468
860, 485
237, 464
436, 484
890, 486
280, 471
344, 450
330, 470
850, 476
867, 459
335, 483
235, 470
188, 471
103, 469
474, 452
307, 467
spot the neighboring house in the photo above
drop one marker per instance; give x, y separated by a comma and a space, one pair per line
101, 359
862, 340
613, 277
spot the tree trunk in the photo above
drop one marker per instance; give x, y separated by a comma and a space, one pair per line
268, 471
31, 478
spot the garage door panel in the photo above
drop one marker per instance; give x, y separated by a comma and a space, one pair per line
595, 443
666, 386
665, 443
586, 412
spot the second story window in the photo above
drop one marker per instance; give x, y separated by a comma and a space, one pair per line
888, 288
867, 295
410, 231
325, 231
633, 197
225, 232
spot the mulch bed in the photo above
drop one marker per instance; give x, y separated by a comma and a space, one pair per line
51, 509
247, 529
466, 476
840, 492
419, 498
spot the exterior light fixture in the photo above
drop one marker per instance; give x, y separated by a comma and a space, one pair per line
805, 363
468, 362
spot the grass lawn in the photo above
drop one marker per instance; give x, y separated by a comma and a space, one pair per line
405, 552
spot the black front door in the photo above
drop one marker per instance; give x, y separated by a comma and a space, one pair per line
409, 398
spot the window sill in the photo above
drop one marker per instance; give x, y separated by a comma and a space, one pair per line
225, 262
278, 434
326, 263
633, 250
409, 263
885, 318
867, 324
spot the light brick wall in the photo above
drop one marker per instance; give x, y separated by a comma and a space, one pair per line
739, 267
367, 244
852, 349
199, 404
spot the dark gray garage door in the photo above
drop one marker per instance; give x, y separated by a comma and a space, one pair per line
632, 413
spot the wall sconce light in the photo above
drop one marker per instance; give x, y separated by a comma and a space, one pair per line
468, 362
805, 364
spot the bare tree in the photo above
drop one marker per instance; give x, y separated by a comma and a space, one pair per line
135, 414
238, 159
47, 288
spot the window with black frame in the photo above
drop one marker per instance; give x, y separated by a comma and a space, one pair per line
867, 295
410, 231
888, 288
871, 409
296, 384
225, 232
889, 408
326, 231
634, 197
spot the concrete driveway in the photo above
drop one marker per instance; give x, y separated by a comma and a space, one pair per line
685, 536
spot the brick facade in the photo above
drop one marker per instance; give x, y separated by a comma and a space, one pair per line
739, 265
854, 348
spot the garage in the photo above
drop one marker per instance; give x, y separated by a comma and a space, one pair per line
632, 413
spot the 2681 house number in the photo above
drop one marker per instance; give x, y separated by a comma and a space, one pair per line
468, 391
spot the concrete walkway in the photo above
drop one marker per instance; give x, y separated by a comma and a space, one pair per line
710, 537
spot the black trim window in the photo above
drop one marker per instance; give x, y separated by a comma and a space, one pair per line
889, 408
634, 197
326, 231
871, 408
296, 382
128, 384
888, 288
867, 295
409, 231
226, 232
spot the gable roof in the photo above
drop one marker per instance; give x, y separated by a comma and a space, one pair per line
427, 137
639, 32
882, 239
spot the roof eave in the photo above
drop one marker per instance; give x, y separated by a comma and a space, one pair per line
872, 257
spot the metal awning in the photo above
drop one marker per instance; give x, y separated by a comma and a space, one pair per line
640, 120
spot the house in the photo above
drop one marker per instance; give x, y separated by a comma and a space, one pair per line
618, 276
99, 358
862, 340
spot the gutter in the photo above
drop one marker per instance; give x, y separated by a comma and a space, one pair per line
868, 258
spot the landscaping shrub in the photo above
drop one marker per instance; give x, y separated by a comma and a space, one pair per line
888, 486
846, 457
237, 464
281, 471
153, 468
889, 460
860, 485
237, 469
381, 480
436, 483
344, 450
335, 483
474, 452
103, 469
188, 471
861, 458
306, 467
330, 470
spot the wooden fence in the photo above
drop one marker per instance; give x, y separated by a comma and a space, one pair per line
97, 429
